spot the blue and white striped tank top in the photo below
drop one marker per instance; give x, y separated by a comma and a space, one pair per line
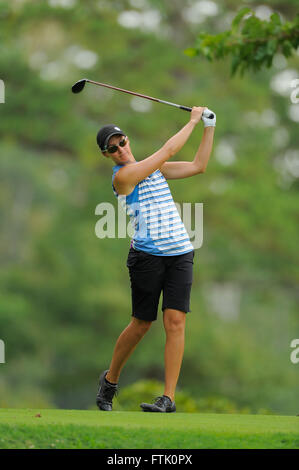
158, 227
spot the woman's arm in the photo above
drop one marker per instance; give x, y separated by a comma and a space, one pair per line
176, 170
133, 174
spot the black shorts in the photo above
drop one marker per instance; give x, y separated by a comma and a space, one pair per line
151, 274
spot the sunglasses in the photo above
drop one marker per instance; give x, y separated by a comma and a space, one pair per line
114, 148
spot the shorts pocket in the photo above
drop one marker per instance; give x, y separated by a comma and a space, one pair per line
143, 262
189, 257
132, 258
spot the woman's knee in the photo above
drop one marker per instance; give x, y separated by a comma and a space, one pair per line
174, 321
142, 326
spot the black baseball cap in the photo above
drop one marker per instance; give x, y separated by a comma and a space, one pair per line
105, 133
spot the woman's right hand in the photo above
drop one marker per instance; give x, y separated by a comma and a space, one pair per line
196, 113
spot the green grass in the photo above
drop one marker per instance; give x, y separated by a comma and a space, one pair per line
75, 429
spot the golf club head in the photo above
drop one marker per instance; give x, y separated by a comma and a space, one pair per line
79, 85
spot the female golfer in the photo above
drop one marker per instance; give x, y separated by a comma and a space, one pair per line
161, 254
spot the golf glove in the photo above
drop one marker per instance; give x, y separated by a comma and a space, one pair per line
206, 121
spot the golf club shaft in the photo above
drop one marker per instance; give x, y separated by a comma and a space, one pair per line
185, 108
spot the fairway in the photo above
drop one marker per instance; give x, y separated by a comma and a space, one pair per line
75, 429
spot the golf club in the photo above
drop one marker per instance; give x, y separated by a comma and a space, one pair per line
80, 84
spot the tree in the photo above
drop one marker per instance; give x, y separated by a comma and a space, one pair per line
251, 42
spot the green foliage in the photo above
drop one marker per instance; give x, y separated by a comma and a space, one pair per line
23, 397
251, 42
146, 391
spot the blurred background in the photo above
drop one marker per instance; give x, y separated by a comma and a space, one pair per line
65, 293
